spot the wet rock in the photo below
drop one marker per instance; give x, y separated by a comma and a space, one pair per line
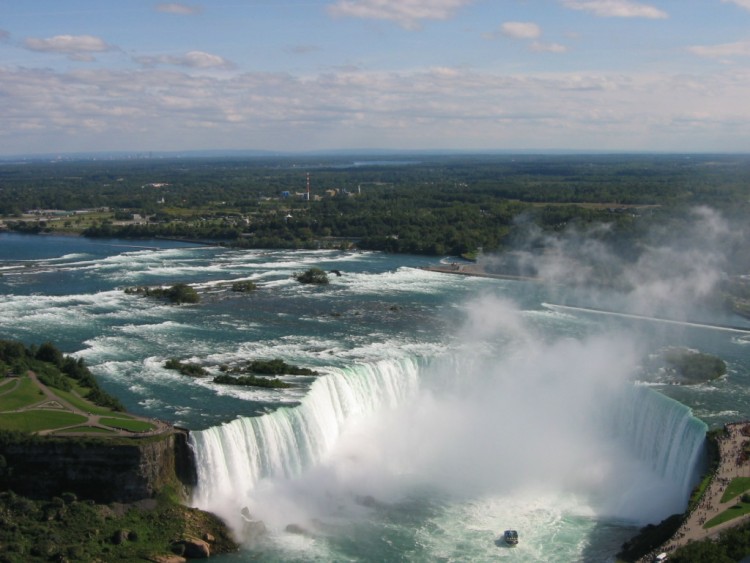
296, 529
192, 548
167, 559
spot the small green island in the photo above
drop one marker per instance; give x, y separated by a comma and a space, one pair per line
315, 276
244, 286
178, 293
185, 368
254, 373
690, 367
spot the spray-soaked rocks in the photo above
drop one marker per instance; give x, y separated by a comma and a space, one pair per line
252, 529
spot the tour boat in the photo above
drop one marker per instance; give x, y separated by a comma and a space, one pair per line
511, 537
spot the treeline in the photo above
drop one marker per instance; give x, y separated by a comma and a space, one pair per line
53, 369
432, 205
243, 182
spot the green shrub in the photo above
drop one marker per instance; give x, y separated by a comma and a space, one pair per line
192, 370
312, 275
244, 286
277, 366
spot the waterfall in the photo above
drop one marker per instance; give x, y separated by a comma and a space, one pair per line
232, 458
664, 434
236, 460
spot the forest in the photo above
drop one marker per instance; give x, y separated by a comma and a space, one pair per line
424, 204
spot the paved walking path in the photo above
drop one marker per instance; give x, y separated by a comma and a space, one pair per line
733, 463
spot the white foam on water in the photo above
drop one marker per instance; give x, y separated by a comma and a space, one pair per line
257, 394
485, 424
403, 280
472, 531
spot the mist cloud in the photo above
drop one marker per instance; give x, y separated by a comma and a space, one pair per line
676, 272
513, 415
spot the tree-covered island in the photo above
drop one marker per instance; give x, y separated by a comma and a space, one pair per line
683, 366
253, 373
179, 293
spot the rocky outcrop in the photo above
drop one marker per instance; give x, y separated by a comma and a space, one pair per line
102, 470
192, 548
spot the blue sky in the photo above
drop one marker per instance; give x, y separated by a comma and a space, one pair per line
295, 75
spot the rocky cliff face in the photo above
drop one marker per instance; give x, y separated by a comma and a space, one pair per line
100, 470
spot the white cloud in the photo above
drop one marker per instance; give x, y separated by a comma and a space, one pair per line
406, 13
528, 31
543, 47
616, 8
723, 50
96, 109
77, 47
192, 59
177, 8
521, 30
741, 3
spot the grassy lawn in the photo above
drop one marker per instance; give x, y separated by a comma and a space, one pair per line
85, 405
90, 430
34, 421
739, 509
736, 487
25, 394
77, 223
127, 424
40, 419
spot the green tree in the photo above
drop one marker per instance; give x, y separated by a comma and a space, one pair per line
47, 352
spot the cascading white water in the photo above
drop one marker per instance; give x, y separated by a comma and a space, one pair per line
663, 433
232, 458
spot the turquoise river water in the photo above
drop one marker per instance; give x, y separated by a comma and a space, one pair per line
448, 408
